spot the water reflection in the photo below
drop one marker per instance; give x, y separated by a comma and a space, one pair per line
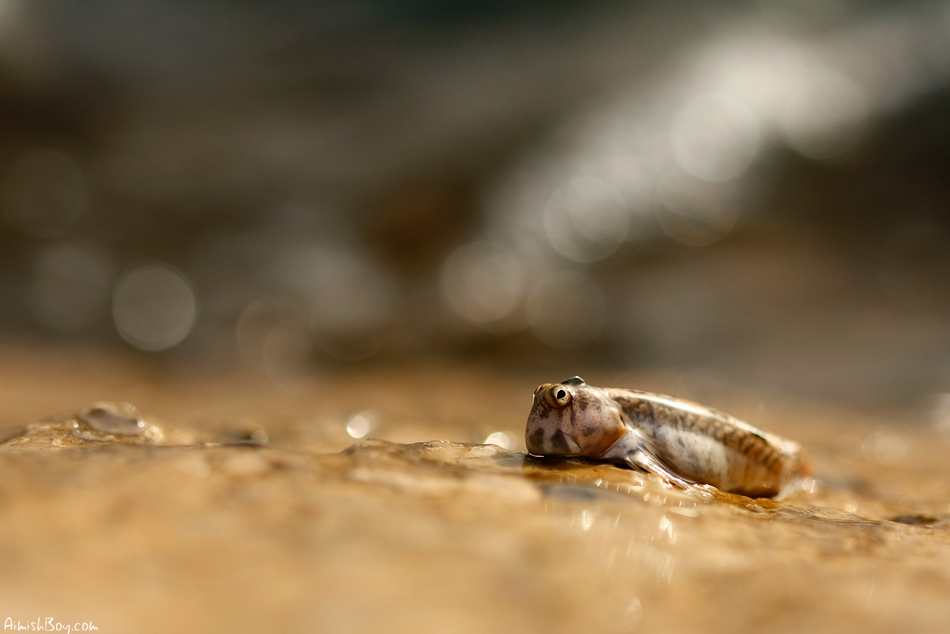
583, 520
625, 615
115, 418
666, 529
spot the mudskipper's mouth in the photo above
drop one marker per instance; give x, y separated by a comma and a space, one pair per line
573, 444
561, 444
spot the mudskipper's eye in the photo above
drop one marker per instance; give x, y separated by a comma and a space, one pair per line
558, 396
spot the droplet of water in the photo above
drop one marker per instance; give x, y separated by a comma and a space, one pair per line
114, 418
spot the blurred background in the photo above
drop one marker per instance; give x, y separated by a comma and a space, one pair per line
755, 192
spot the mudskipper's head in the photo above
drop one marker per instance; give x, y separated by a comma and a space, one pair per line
572, 419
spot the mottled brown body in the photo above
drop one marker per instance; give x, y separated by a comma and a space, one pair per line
676, 439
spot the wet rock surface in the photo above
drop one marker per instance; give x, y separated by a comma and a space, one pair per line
254, 508
100, 423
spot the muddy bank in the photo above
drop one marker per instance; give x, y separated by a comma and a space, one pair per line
237, 505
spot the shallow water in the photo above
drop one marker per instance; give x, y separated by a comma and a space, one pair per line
244, 506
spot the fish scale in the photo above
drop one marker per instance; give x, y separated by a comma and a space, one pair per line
716, 424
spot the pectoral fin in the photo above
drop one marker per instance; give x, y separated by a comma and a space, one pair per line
645, 462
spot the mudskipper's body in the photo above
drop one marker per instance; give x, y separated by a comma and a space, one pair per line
682, 442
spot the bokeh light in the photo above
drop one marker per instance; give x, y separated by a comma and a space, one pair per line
154, 307
825, 115
273, 335
503, 439
586, 219
715, 137
351, 298
884, 448
361, 424
484, 283
382, 220
566, 309
695, 212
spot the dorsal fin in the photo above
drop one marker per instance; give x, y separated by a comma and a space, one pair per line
574, 380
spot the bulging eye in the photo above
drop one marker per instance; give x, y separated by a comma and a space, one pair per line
559, 396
